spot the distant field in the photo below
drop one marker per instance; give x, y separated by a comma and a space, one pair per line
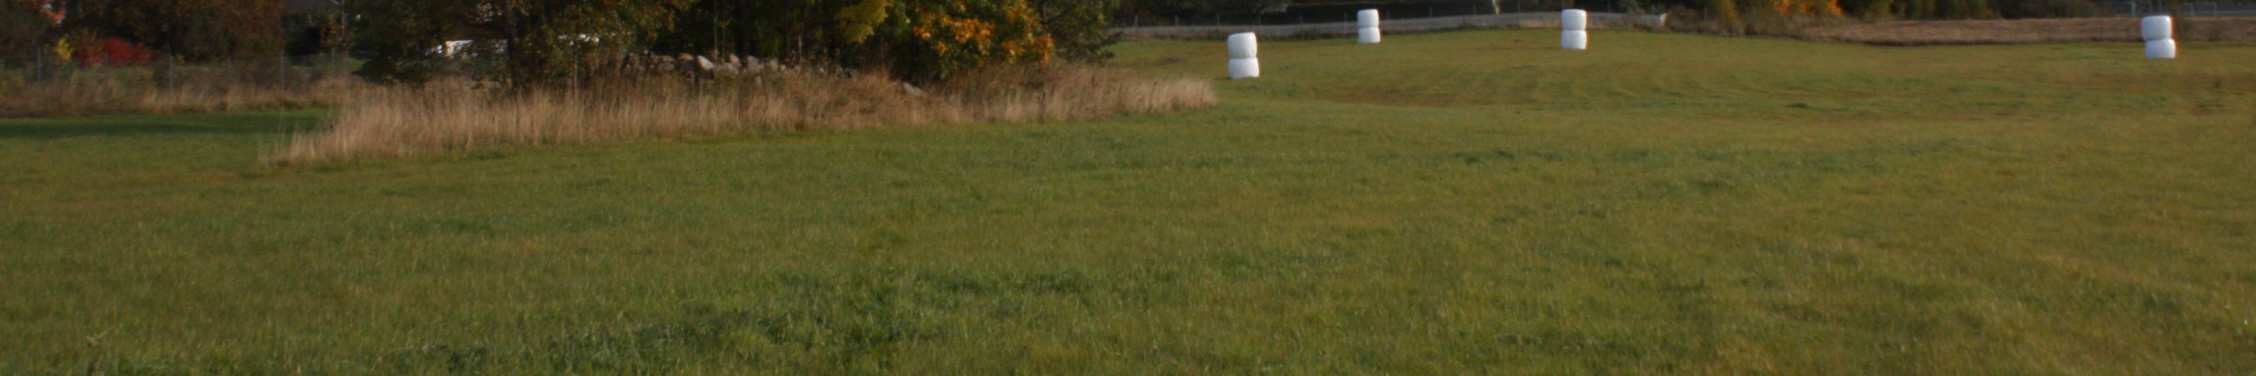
2063, 30
1467, 202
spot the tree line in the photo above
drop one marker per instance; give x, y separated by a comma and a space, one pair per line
540, 41
553, 41
560, 40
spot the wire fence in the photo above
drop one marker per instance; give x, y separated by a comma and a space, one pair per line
1322, 14
1519, 20
2201, 9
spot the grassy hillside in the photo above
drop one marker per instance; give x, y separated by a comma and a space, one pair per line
1441, 203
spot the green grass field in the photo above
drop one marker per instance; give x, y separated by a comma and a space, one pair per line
1466, 202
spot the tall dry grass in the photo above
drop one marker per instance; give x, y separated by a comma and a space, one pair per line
164, 89
397, 122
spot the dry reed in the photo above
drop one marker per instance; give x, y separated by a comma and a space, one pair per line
160, 89
398, 122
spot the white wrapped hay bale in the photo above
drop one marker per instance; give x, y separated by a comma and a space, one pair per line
1367, 26
2155, 27
1574, 40
1245, 62
2156, 30
2161, 49
1244, 46
1245, 68
1574, 20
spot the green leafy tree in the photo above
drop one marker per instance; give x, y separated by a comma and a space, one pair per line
399, 38
534, 41
1079, 26
843, 32
557, 40
915, 39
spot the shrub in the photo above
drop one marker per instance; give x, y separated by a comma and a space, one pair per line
195, 30
397, 36
112, 51
943, 37
317, 34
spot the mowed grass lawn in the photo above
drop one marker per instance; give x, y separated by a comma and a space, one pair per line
1465, 202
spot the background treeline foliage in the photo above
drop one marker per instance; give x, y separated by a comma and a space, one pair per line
527, 41
521, 41
192, 30
552, 41
918, 39
23, 32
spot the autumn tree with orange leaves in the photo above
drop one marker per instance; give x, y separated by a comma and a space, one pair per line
943, 37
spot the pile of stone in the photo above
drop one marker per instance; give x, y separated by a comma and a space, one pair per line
714, 66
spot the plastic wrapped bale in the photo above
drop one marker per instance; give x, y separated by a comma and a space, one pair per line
2161, 49
1244, 46
1574, 20
2155, 27
1574, 40
1367, 26
1246, 68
